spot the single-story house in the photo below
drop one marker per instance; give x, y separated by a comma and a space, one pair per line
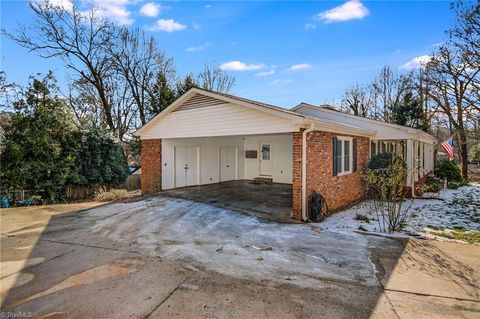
206, 137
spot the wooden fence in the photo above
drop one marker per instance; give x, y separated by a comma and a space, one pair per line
132, 183
74, 192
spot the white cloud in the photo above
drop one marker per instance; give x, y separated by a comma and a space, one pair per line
168, 25
240, 66
266, 73
207, 6
281, 81
114, 10
298, 67
199, 48
310, 26
416, 62
351, 10
150, 9
62, 4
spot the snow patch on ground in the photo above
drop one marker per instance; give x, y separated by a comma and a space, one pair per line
236, 244
451, 208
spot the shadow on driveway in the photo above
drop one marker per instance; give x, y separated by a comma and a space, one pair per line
164, 257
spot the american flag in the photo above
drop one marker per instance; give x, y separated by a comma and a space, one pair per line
448, 147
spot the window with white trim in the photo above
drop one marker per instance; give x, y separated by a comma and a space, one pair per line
343, 157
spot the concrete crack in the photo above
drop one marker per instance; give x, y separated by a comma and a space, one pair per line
90, 246
430, 295
166, 298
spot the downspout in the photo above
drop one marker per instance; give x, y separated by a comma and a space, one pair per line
414, 166
304, 170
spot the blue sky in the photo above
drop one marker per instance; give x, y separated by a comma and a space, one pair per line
281, 52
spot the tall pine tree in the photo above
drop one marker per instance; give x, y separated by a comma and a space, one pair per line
163, 95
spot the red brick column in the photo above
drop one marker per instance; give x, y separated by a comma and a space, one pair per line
151, 158
297, 176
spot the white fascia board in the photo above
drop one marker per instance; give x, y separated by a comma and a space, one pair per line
335, 127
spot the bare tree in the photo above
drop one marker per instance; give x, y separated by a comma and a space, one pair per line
140, 62
450, 78
215, 79
358, 100
465, 37
465, 33
124, 110
390, 87
80, 39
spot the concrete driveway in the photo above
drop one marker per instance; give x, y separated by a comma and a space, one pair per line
164, 257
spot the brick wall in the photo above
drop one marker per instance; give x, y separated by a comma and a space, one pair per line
151, 158
339, 191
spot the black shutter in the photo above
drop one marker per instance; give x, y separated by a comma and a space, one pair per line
354, 147
335, 156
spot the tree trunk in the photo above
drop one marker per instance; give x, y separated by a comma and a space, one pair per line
462, 137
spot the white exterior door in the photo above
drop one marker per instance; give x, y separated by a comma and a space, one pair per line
186, 166
265, 159
228, 163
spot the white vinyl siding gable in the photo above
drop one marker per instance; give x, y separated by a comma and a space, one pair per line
218, 120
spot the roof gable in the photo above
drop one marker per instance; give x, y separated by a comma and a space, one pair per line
198, 98
201, 104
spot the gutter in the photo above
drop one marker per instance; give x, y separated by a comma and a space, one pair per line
304, 170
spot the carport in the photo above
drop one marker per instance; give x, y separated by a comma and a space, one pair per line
249, 173
222, 150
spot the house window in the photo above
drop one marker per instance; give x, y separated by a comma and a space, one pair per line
265, 152
343, 158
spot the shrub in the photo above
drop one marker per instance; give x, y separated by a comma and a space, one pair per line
44, 151
449, 170
475, 154
384, 160
385, 177
433, 185
455, 185
102, 194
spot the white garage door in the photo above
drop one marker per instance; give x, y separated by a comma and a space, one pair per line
186, 166
228, 164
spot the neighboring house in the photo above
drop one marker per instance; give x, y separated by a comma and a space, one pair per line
206, 137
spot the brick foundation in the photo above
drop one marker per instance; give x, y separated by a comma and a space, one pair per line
151, 157
339, 191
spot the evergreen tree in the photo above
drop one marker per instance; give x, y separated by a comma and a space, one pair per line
163, 94
44, 151
99, 159
186, 84
409, 112
36, 153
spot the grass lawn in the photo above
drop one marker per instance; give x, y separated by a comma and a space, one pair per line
469, 236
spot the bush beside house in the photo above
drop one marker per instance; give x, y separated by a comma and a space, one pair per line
44, 151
